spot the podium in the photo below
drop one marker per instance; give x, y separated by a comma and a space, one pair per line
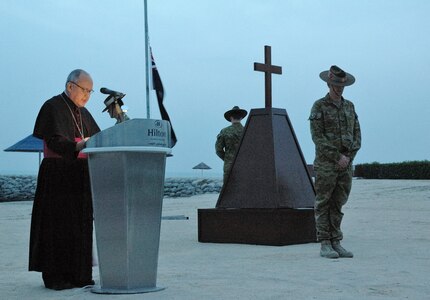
127, 169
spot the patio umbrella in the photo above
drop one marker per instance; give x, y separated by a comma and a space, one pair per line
28, 144
202, 166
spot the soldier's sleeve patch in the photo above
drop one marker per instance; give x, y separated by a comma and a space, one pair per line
315, 116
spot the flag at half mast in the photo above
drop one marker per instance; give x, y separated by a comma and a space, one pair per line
157, 85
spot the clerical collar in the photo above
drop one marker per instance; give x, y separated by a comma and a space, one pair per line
69, 101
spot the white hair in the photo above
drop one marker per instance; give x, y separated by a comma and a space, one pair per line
74, 75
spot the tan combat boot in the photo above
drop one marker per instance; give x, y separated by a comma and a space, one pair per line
327, 250
340, 250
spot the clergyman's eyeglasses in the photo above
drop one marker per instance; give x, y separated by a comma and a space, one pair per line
86, 91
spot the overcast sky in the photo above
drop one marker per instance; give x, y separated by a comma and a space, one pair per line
205, 52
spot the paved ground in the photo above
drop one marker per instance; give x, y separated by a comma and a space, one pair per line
386, 225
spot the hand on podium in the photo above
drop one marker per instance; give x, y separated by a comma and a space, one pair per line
81, 144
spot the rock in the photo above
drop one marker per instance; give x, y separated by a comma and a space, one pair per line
18, 188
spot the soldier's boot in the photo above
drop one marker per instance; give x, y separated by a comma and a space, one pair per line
327, 250
340, 250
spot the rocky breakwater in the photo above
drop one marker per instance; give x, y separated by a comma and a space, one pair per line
22, 188
186, 187
17, 188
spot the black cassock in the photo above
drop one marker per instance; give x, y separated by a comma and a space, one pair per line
62, 217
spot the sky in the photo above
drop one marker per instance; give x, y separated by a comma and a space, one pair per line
205, 51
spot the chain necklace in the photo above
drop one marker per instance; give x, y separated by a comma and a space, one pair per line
80, 129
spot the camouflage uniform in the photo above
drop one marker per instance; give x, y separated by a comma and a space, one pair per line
335, 130
226, 145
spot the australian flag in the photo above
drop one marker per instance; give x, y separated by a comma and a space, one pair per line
157, 85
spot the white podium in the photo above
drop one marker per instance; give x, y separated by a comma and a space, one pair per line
127, 169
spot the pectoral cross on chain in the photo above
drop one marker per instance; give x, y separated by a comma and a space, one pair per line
268, 69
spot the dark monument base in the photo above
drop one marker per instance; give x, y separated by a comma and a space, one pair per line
260, 226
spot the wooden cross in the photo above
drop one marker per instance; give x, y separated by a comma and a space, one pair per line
268, 69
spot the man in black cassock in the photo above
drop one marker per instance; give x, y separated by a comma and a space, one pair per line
61, 233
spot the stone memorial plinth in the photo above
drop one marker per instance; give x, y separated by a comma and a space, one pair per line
269, 196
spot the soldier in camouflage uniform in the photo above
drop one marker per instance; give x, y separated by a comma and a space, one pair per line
229, 138
336, 133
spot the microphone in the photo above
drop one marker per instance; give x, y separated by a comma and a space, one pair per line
107, 91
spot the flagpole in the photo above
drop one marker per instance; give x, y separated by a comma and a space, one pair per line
148, 113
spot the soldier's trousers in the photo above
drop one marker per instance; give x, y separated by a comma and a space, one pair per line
227, 168
332, 191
